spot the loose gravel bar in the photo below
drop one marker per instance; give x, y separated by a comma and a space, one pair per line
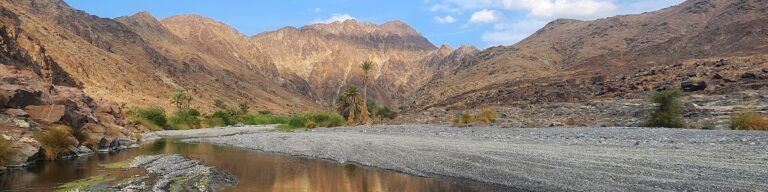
547, 159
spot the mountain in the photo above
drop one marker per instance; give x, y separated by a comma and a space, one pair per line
325, 58
624, 56
139, 61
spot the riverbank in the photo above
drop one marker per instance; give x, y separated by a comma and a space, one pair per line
570, 159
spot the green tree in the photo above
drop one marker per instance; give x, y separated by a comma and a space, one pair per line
364, 114
668, 111
181, 99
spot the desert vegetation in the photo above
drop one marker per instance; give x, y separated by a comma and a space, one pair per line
749, 120
667, 112
56, 141
486, 116
7, 151
186, 117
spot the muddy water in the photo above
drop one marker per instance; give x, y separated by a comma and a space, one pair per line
257, 171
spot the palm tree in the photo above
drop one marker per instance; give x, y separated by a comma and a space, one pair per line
364, 114
350, 102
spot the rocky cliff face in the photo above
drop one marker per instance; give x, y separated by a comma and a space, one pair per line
38, 94
618, 57
139, 60
326, 58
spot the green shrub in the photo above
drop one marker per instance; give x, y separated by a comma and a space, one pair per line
386, 112
264, 119
185, 119
225, 117
748, 120
325, 119
7, 151
56, 141
155, 115
146, 123
708, 125
296, 121
265, 112
668, 112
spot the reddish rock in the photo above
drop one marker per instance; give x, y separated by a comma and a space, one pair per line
94, 128
46, 113
105, 118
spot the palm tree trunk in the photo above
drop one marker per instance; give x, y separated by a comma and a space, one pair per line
364, 114
351, 117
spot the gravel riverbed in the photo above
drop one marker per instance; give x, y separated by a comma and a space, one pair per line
547, 159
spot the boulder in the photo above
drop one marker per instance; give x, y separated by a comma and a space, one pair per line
691, 86
16, 112
5, 98
105, 118
95, 128
74, 117
103, 144
749, 75
46, 113
23, 98
765, 70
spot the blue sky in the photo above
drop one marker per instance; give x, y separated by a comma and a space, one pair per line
481, 23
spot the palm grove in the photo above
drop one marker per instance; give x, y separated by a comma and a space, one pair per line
352, 107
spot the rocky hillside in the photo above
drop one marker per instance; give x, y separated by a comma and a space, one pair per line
703, 46
139, 61
322, 59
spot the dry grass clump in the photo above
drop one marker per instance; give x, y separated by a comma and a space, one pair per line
6, 151
748, 120
56, 141
487, 116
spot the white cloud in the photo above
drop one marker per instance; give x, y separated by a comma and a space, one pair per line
514, 20
485, 16
334, 18
445, 20
552, 9
443, 8
508, 33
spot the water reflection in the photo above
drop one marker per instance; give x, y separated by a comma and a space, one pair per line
257, 172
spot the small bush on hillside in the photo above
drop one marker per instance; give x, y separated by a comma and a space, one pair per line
154, 115
56, 141
668, 112
7, 151
265, 112
748, 120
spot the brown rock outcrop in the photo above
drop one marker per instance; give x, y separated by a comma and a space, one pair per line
46, 113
